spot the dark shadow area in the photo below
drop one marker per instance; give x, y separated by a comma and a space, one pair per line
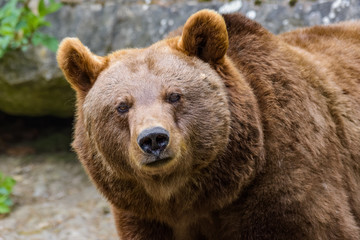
32, 135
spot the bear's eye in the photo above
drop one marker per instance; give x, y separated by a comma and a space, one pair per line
174, 97
123, 107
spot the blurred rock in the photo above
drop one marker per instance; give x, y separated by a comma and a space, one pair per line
31, 83
54, 199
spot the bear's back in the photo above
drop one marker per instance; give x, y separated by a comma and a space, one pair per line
307, 84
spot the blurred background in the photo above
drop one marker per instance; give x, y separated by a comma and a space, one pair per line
44, 192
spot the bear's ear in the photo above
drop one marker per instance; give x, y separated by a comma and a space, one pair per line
80, 67
205, 35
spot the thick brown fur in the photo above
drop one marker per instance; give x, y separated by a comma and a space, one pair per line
264, 141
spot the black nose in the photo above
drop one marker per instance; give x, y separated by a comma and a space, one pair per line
153, 140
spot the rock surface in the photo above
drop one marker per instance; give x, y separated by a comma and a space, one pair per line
31, 83
54, 200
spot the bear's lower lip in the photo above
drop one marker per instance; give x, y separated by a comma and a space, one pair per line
158, 162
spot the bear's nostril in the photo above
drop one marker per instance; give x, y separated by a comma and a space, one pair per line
162, 140
147, 145
153, 140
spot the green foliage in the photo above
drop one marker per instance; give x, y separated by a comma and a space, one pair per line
6, 186
19, 25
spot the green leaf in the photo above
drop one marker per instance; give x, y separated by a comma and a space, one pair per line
53, 6
37, 38
4, 209
9, 183
24, 48
6, 185
42, 8
32, 21
50, 42
8, 9
43, 23
47, 9
12, 19
6, 31
8, 202
4, 192
3, 198
19, 26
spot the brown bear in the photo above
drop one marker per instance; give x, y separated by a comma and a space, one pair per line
225, 131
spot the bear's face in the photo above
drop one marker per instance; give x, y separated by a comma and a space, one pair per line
157, 88
154, 114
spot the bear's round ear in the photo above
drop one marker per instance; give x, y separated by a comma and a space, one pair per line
205, 35
80, 67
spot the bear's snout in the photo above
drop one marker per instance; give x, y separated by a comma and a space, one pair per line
153, 140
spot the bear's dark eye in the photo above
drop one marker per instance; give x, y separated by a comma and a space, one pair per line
123, 108
174, 97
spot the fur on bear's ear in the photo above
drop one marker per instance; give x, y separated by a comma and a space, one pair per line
80, 67
205, 35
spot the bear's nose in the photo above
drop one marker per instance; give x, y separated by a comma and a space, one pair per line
153, 140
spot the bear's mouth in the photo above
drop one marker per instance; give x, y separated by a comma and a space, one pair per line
156, 162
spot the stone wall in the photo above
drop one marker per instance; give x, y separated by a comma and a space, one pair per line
31, 83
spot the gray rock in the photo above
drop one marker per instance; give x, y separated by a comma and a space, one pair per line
109, 27
31, 83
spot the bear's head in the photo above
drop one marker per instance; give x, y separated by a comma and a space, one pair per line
157, 115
